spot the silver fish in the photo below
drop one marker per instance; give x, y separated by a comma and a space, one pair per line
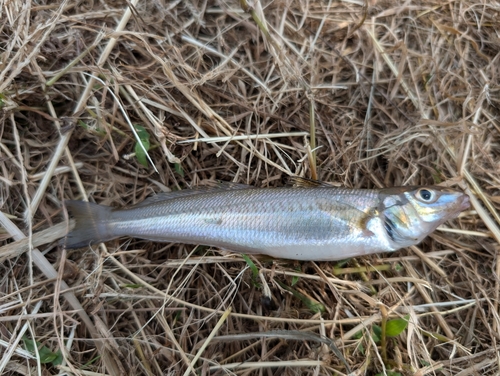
300, 223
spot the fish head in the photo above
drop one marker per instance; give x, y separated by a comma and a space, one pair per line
410, 214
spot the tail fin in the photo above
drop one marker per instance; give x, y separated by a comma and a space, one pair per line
90, 227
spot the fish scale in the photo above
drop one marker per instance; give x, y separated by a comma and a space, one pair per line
303, 223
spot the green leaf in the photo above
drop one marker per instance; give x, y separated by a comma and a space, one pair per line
437, 174
178, 315
315, 306
59, 359
395, 327
83, 124
144, 140
295, 279
29, 344
99, 131
377, 333
91, 361
361, 349
46, 355
200, 249
178, 168
141, 132
358, 335
398, 268
341, 263
311, 303
140, 154
389, 373
253, 268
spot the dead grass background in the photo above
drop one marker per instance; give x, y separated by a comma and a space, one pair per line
360, 94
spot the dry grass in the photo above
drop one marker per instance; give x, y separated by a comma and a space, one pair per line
361, 95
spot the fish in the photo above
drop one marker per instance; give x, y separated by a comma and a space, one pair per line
311, 221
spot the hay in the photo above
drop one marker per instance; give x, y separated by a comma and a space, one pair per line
361, 95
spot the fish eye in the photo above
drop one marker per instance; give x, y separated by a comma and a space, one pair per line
426, 195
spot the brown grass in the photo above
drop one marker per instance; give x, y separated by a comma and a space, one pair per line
364, 96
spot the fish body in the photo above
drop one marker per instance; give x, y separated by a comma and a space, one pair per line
301, 223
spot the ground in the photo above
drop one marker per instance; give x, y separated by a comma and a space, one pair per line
113, 101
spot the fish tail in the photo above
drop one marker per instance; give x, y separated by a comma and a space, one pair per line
91, 224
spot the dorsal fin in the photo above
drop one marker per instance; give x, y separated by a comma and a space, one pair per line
297, 181
222, 185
